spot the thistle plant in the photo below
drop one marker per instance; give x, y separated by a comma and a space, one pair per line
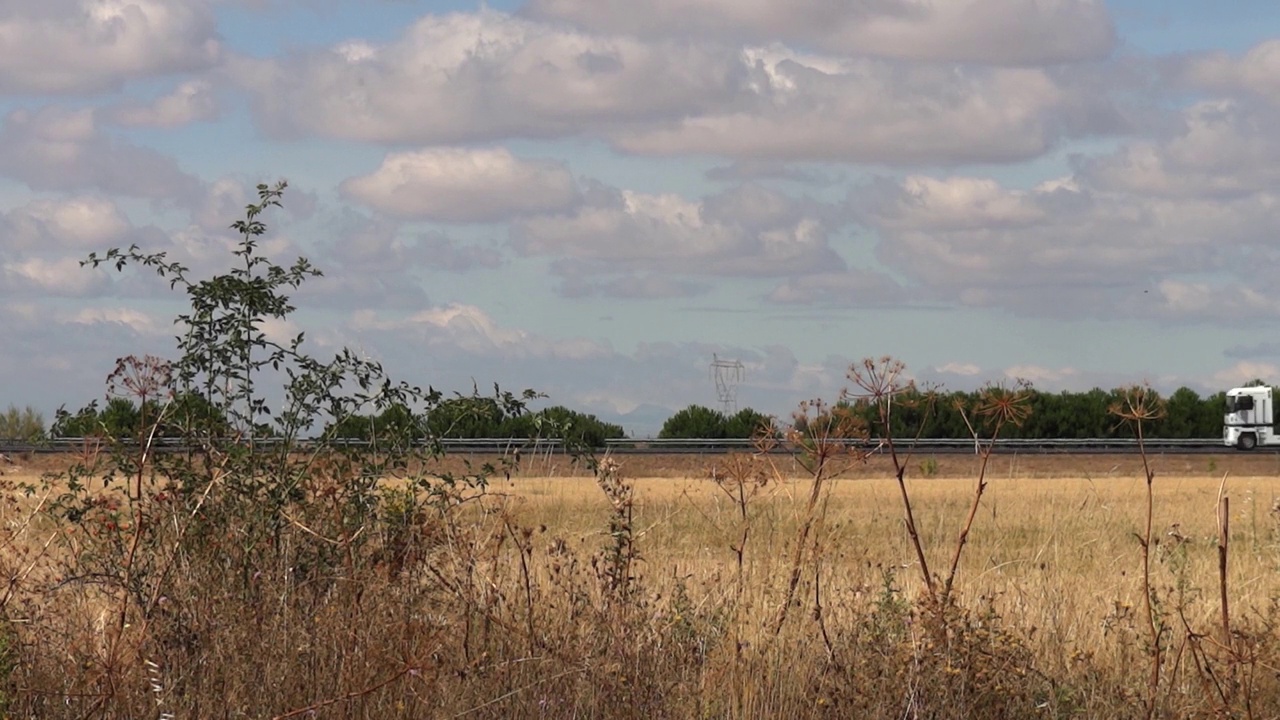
615, 566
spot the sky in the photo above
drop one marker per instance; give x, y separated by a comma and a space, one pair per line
595, 198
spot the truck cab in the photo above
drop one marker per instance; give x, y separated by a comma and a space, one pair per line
1249, 419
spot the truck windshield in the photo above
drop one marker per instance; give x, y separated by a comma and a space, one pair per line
1235, 403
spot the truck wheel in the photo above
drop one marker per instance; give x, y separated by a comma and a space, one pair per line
1248, 441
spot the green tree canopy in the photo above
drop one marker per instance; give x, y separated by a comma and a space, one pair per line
747, 423
695, 421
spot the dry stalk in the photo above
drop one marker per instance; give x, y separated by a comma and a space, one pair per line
177, 543
524, 547
878, 382
1139, 405
819, 439
1224, 537
517, 691
312, 708
997, 407
817, 607
741, 478
16, 579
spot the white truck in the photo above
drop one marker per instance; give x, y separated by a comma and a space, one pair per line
1249, 419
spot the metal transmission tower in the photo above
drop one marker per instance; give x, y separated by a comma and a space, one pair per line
728, 374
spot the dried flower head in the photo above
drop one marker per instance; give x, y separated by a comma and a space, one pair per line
610, 479
740, 475
1001, 405
877, 378
1138, 404
146, 377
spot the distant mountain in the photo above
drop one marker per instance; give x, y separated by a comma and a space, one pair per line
642, 422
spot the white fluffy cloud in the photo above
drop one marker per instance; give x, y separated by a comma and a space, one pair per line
76, 222
470, 329
191, 101
1243, 372
56, 148
1177, 226
748, 231
805, 107
60, 277
485, 75
1221, 147
1040, 375
461, 185
1014, 32
1049, 377
75, 349
961, 369
1069, 251
67, 46
376, 262
135, 320
1257, 72
45, 239
1191, 300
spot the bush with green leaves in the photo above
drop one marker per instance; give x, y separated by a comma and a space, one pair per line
260, 496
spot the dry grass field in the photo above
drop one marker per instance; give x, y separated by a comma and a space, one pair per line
666, 594
1055, 553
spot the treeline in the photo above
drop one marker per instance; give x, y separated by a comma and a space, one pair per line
938, 416
1053, 415
458, 418
122, 418
480, 417
1057, 415
23, 424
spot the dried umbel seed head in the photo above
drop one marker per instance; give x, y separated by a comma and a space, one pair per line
1005, 405
877, 378
140, 377
740, 475
1138, 404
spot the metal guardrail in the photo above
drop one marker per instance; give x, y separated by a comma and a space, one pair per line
689, 446
948, 446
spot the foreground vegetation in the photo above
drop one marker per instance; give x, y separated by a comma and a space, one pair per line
654, 598
237, 580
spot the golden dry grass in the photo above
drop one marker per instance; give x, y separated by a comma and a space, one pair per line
501, 612
1060, 555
